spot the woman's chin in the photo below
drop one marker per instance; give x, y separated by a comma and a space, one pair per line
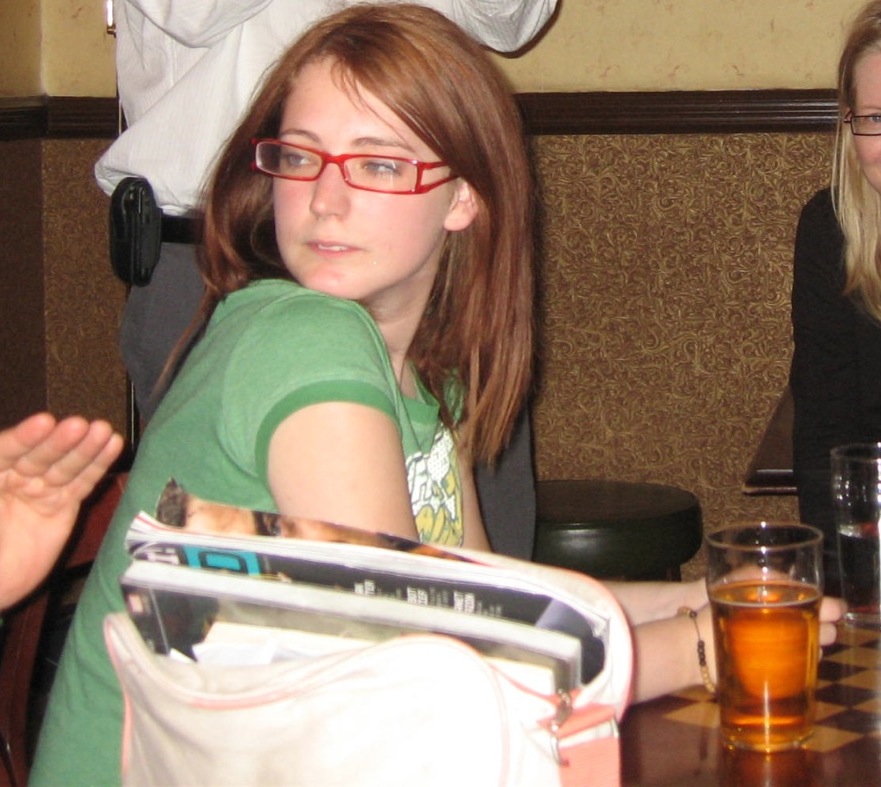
334, 285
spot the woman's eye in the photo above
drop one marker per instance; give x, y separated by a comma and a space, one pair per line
381, 168
292, 160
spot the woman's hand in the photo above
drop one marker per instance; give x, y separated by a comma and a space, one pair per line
831, 610
47, 468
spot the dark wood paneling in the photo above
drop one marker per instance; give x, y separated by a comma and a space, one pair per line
58, 117
680, 112
684, 112
22, 305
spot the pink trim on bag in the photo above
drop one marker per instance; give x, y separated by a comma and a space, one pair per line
596, 762
127, 716
580, 719
127, 712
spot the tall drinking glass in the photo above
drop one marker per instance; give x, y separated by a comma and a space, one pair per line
765, 585
856, 502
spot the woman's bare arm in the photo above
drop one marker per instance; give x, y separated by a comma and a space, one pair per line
342, 462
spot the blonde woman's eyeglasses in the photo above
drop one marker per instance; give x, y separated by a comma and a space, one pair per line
864, 125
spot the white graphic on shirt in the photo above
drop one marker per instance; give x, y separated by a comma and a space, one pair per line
435, 495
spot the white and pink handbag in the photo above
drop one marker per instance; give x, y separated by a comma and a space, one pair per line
419, 709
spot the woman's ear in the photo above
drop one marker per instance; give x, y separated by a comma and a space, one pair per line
463, 208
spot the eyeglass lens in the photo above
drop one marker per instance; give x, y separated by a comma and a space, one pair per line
865, 125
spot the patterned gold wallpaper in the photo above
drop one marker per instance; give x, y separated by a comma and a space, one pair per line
665, 273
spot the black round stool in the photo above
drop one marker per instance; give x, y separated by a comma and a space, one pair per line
616, 529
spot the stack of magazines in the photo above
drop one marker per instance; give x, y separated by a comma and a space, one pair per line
212, 583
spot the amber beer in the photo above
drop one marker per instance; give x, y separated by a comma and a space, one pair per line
767, 636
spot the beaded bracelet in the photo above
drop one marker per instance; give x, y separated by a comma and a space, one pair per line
701, 650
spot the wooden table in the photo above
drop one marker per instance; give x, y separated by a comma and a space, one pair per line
674, 741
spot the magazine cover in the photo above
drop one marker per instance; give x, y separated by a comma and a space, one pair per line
179, 508
196, 533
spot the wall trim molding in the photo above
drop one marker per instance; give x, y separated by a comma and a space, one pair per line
58, 117
678, 112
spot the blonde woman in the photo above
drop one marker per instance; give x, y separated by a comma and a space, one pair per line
836, 297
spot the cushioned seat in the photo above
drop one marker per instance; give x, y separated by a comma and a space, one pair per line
616, 529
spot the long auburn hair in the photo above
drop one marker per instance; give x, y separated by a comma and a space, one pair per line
857, 203
477, 331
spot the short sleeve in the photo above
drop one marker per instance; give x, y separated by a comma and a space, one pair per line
294, 352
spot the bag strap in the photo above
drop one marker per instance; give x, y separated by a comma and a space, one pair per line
586, 744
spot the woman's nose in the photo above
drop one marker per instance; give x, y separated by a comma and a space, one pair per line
330, 192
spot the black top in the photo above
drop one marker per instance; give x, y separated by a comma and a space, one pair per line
836, 368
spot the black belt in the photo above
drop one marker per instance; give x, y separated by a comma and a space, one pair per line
180, 229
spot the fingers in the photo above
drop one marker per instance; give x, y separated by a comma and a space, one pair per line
828, 634
98, 451
59, 445
18, 440
70, 453
831, 609
60, 452
38, 442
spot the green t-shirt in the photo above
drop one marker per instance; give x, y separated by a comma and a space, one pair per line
269, 350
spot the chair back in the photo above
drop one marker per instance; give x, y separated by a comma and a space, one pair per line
23, 627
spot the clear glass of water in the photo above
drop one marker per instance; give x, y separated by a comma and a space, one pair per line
856, 500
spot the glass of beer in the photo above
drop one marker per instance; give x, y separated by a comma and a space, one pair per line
765, 585
856, 503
